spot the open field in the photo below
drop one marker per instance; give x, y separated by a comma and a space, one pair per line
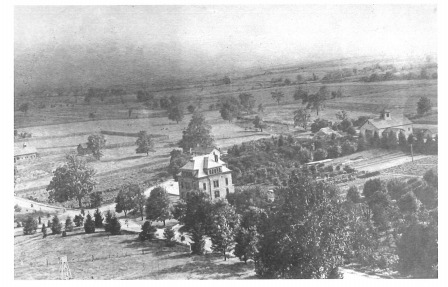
129, 259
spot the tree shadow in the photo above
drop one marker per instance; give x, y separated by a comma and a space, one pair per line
209, 267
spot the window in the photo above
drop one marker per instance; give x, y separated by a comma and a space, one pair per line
216, 193
227, 191
204, 186
227, 181
216, 183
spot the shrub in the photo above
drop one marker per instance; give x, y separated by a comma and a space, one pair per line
17, 208
148, 231
44, 230
168, 233
56, 226
30, 225
68, 224
115, 226
353, 195
79, 220
89, 225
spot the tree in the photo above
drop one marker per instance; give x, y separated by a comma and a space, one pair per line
299, 78
168, 233
396, 188
165, 103
431, 177
56, 226
79, 220
246, 237
304, 235
24, 108
348, 148
424, 105
353, 195
409, 203
139, 198
230, 108
247, 101
226, 80
225, 222
177, 160
95, 143
392, 140
144, 143
259, 124
197, 236
300, 95
176, 113
107, 221
317, 101
371, 186
301, 118
342, 115
191, 109
376, 139
320, 154
115, 226
158, 205
98, 218
277, 96
260, 108
417, 250
96, 198
125, 199
30, 225
402, 142
72, 180
17, 208
318, 124
197, 134
361, 142
148, 232
89, 225
44, 231
196, 208
68, 224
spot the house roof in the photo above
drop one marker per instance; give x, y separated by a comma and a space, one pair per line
199, 163
431, 128
393, 122
24, 150
327, 132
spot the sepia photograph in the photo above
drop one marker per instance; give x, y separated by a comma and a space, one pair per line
211, 142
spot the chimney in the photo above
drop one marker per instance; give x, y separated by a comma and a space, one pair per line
205, 162
216, 157
385, 115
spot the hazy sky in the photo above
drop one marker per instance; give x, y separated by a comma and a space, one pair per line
269, 31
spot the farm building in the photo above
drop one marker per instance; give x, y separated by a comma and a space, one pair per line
208, 173
428, 131
326, 133
24, 153
385, 123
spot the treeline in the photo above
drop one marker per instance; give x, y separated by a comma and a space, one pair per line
280, 233
391, 76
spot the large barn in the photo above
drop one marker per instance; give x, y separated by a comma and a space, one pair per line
386, 123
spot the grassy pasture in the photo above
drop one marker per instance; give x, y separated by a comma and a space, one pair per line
126, 259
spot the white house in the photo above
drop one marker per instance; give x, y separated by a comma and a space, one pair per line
207, 173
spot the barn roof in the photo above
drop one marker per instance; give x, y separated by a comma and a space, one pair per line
394, 122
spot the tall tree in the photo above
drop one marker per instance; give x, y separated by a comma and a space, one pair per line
196, 208
230, 108
176, 112
30, 225
247, 101
125, 199
301, 118
317, 101
260, 108
158, 205
24, 108
95, 143
98, 218
304, 235
197, 134
139, 198
68, 224
424, 105
177, 160
258, 123
277, 96
300, 94
144, 143
72, 180
56, 226
225, 223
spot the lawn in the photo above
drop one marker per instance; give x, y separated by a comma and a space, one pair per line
129, 259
